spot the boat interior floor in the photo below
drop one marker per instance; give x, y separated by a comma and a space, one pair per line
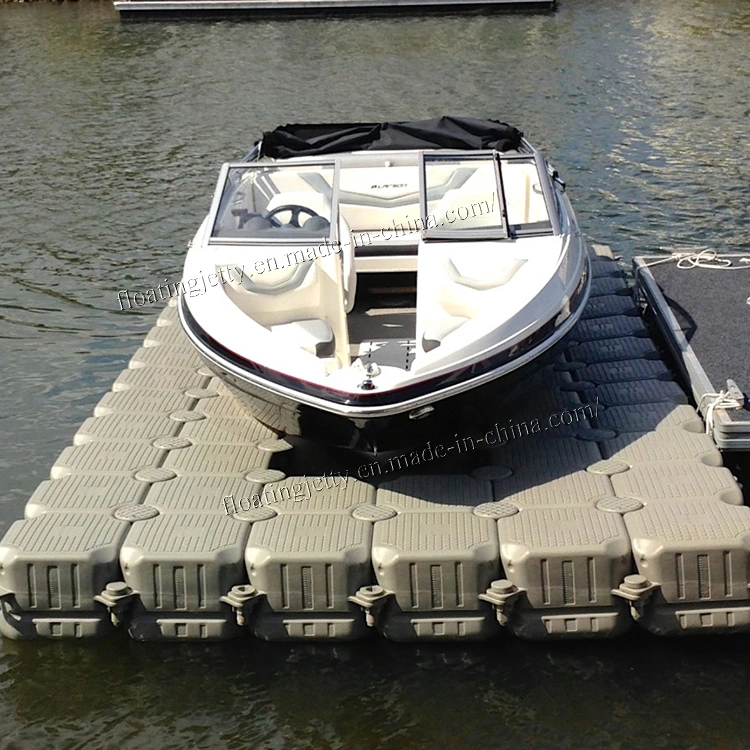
383, 323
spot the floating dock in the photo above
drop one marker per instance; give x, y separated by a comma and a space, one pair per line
171, 516
701, 305
174, 9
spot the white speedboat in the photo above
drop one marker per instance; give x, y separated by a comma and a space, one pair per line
365, 279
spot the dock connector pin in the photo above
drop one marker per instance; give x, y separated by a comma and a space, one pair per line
502, 595
117, 598
371, 599
242, 599
637, 590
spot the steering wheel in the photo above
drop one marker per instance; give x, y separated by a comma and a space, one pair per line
295, 209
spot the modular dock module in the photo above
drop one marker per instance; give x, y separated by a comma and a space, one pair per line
629, 520
175, 9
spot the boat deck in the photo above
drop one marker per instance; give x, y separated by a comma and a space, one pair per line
173, 9
595, 506
704, 315
383, 324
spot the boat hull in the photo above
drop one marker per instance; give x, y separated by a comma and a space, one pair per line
464, 413
486, 387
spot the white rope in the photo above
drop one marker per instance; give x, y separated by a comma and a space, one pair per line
701, 257
698, 257
721, 400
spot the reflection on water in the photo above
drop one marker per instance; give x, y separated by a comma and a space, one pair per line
111, 138
377, 694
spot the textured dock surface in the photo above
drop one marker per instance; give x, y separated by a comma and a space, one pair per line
169, 515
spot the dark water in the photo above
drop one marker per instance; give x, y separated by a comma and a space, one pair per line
110, 139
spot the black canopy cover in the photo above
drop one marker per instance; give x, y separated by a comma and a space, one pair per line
460, 133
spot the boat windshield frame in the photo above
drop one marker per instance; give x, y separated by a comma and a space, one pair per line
225, 192
504, 230
548, 193
475, 233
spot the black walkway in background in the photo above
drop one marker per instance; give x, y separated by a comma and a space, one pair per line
711, 308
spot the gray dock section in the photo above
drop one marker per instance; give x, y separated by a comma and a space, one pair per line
167, 517
702, 313
135, 9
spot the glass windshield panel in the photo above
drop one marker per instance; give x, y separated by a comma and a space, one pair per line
276, 202
462, 194
524, 199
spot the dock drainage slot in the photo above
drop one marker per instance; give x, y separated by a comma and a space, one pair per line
637, 590
502, 595
242, 599
371, 599
117, 598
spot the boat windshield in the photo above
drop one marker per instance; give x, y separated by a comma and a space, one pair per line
482, 196
462, 196
275, 202
524, 197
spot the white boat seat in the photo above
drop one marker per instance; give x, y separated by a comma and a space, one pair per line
317, 224
254, 224
438, 328
314, 336
482, 279
277, 281
308, 198
313, 227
